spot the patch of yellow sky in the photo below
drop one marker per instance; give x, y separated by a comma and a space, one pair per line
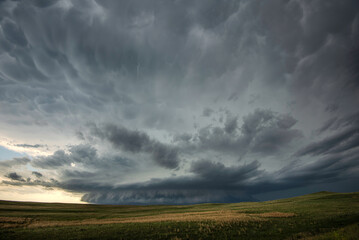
37, 194
33, 193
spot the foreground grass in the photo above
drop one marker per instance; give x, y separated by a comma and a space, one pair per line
350, 232
321, 215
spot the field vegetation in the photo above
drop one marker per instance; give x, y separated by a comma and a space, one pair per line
322, 215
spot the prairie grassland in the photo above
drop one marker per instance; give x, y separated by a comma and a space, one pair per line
321, 215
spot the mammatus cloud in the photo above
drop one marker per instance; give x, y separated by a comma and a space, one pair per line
179, 102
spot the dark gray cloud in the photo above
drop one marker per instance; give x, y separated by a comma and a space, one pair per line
37, 174
13, 33
183, 137
59, 158
326, 170
207, 112
137, 142
337, 143
230, 126
48, 184
14, 162
81, 154
223, 175
24, 145
268, 132
231, 184
154, 43
14, 176
209, 181
166, 196
345, 138
167, 83
263, 131
328, 125
227, 184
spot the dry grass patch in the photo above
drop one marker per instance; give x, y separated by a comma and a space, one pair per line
212, 216
8, 222
274, 215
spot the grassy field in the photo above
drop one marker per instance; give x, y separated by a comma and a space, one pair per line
322, 215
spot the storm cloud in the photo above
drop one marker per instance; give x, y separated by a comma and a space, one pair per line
344, 138
137, 142
14, 162
179, 101
263, 132
24, 145
15, 176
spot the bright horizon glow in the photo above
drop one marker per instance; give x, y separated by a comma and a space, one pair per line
38, 194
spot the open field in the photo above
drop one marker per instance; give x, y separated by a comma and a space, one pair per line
321, 215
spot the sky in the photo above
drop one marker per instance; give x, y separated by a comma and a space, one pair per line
178, 102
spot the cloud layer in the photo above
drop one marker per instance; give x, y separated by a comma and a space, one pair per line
179, 101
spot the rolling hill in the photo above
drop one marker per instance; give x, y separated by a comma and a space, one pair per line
322, 215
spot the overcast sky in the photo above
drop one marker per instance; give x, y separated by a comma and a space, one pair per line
177, 102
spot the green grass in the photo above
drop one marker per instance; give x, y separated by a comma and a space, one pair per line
350, 232
322, 215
